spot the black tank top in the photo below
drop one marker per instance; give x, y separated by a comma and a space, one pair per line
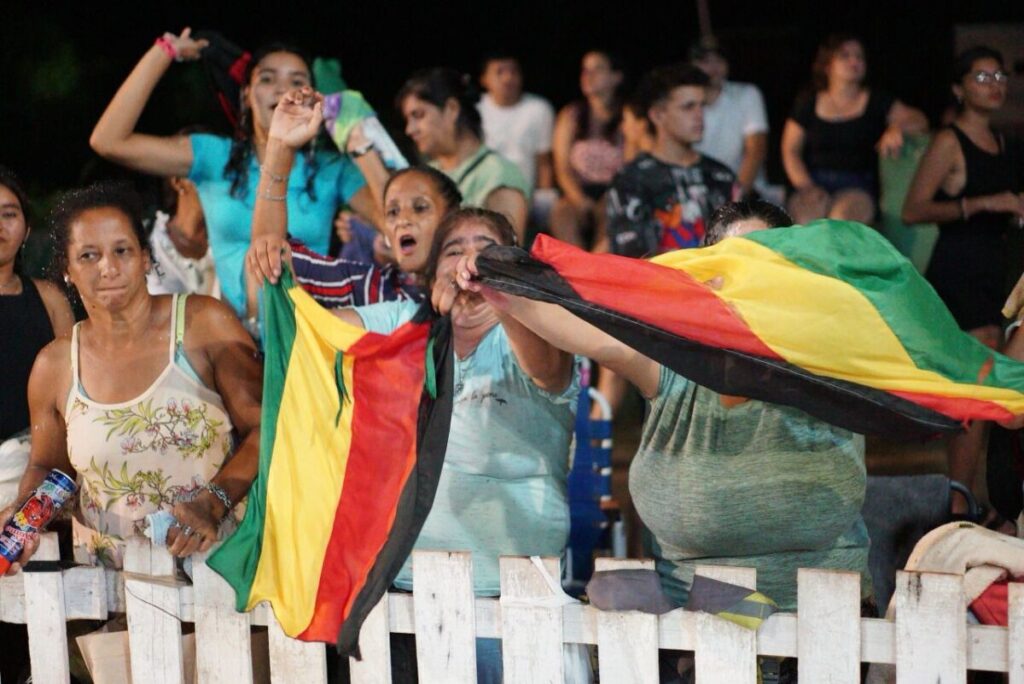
969, 265
24, 329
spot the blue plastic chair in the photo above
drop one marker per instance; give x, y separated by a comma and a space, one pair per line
593, 512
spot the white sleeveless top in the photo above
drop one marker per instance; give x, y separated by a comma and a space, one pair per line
138, 456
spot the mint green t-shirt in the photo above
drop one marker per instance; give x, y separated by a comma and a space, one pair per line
483, 173
503, 483
756, 485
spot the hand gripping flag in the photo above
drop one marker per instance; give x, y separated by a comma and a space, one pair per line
354, 431
828, 318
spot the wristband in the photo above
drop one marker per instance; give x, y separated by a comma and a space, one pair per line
168, 48
221, 495
364, 149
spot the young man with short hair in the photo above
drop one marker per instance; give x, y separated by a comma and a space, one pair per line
662, 201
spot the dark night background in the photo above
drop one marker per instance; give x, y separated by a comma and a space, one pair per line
62, 62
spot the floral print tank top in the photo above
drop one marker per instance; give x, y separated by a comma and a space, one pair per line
138, 456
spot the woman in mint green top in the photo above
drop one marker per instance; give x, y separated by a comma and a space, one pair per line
502, 489
722, 480
442, 119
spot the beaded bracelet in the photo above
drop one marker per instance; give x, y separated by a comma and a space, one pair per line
274, 178
221, 495
168, 48
273, 198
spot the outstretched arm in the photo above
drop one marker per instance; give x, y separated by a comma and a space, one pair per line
114, 136
567, 332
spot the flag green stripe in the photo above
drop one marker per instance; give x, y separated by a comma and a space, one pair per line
920, 320
237, 558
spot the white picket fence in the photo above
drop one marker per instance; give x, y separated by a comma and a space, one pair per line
930, 641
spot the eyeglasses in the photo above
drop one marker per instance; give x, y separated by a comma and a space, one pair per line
985, 77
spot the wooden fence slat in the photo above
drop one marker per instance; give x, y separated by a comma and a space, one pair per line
374, 647
725, 652
445, 617
931, 630
154, 632
828, 631
1015, 635
292, 660
531, 637
603, 563
627, 647
85, 593
223, 641
46, 619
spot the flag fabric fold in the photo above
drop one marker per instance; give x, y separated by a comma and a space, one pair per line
828, 318
354, 431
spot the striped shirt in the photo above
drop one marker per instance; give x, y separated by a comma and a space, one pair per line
335, 283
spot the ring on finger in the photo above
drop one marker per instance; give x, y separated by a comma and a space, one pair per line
186, 530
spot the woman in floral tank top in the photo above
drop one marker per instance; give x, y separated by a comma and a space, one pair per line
147, 398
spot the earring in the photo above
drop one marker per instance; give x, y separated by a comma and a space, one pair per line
67, 280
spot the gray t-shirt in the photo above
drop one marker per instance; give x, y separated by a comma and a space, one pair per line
756, 485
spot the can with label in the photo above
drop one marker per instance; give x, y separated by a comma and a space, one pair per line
48, 498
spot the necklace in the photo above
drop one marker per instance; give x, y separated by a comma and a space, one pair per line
11, 285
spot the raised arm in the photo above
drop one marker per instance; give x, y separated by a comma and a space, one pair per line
567, 332
296, 120
114, 136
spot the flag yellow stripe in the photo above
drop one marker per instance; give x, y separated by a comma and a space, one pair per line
308, 465
742, 271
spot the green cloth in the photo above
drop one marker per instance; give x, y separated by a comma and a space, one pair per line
484, 172
757, 485
916, 241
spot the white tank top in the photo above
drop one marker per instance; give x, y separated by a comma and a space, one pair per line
136, 457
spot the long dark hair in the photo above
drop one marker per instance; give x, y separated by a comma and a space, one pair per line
610, 130
237, 168
10, 180
440, 84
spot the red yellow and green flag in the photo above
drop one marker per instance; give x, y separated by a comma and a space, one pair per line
354, 430
827, 317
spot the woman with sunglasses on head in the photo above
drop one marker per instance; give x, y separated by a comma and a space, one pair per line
968, 184
226, 171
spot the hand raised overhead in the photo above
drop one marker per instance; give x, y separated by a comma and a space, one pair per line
297, 117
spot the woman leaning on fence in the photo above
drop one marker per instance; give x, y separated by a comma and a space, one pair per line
148, 397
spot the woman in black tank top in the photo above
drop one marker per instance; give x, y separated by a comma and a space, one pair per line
967, 183
30, 313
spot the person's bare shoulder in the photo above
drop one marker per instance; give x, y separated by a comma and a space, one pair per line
57, 307
209, 319
51, 372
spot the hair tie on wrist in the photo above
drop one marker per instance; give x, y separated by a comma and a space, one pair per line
168, 48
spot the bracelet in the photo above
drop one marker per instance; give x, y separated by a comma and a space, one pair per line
274, 178
963, 208
168, 48
221, 495
360, 151
273, 198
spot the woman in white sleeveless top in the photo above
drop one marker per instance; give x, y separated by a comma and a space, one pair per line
149, 396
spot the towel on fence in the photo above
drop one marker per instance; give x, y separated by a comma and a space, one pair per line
828, 318
350, 457
635, 589
982, 556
